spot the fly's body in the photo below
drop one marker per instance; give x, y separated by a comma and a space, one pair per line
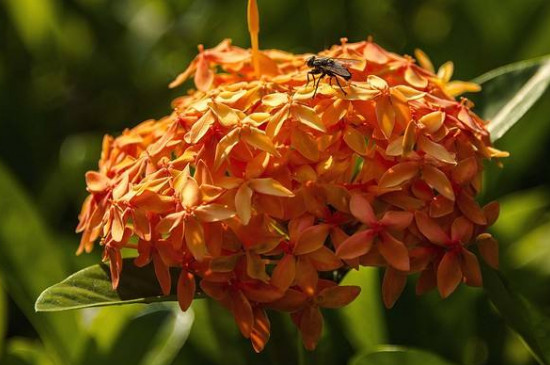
327, 66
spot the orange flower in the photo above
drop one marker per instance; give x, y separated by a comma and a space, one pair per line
305, 307
457, 262
252, 187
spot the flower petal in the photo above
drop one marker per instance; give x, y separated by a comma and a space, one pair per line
284, 273
488, 249
375, 53
355, 140
311, 327
200, 128
307, 116
465, 171
275, 100
96, 182
462, 230
153, 202
398, 174
163, 274
430, 229
243, 203
270, 186
225, 145
446, 71
438, 181
449, 274
258, 139
393, 285
276, 121
204, 76
115, 260
305, 144
424, 60
214, 212
180, 79
397, 219
385, 114
409, 138
436, 150
337, 296
292, 301
242, 311
306, 276
441, 206
361, 209
260, 330
356, 245
491, 211
194, 237
432, 121
190, 193
415, 79
311, 239
470, 269
470, 208
334, 112
186, 289
324, 259
455, 88
394, 252
142, 225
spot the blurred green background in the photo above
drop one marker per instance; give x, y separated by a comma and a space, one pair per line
73, 70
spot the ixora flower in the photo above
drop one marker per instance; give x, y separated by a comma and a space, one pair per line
257, 191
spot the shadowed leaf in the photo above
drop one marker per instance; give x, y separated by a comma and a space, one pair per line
91, 287
510, 91
389, 355
519, 314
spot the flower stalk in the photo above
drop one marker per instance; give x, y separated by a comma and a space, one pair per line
253, 17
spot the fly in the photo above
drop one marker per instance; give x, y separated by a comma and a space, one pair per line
327, 66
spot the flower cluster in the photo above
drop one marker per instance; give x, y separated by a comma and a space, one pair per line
259, 192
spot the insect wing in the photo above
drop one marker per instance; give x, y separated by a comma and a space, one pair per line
348, 61
339, 69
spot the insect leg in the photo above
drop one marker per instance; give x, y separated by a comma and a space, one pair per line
317, 86
313, 76
338, 82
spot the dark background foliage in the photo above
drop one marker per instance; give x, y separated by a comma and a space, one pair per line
73, 70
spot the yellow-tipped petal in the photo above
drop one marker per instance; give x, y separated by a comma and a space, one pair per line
424, 60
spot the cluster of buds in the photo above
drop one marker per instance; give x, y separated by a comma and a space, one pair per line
262, 195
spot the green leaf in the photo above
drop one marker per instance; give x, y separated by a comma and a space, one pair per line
135, 334
363, 319
91, 287
532, 251
519, 314
104, 325
3, 317
20, 351
171, 338
392, 355
520, 212
203, 335
510, 91
29, 262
